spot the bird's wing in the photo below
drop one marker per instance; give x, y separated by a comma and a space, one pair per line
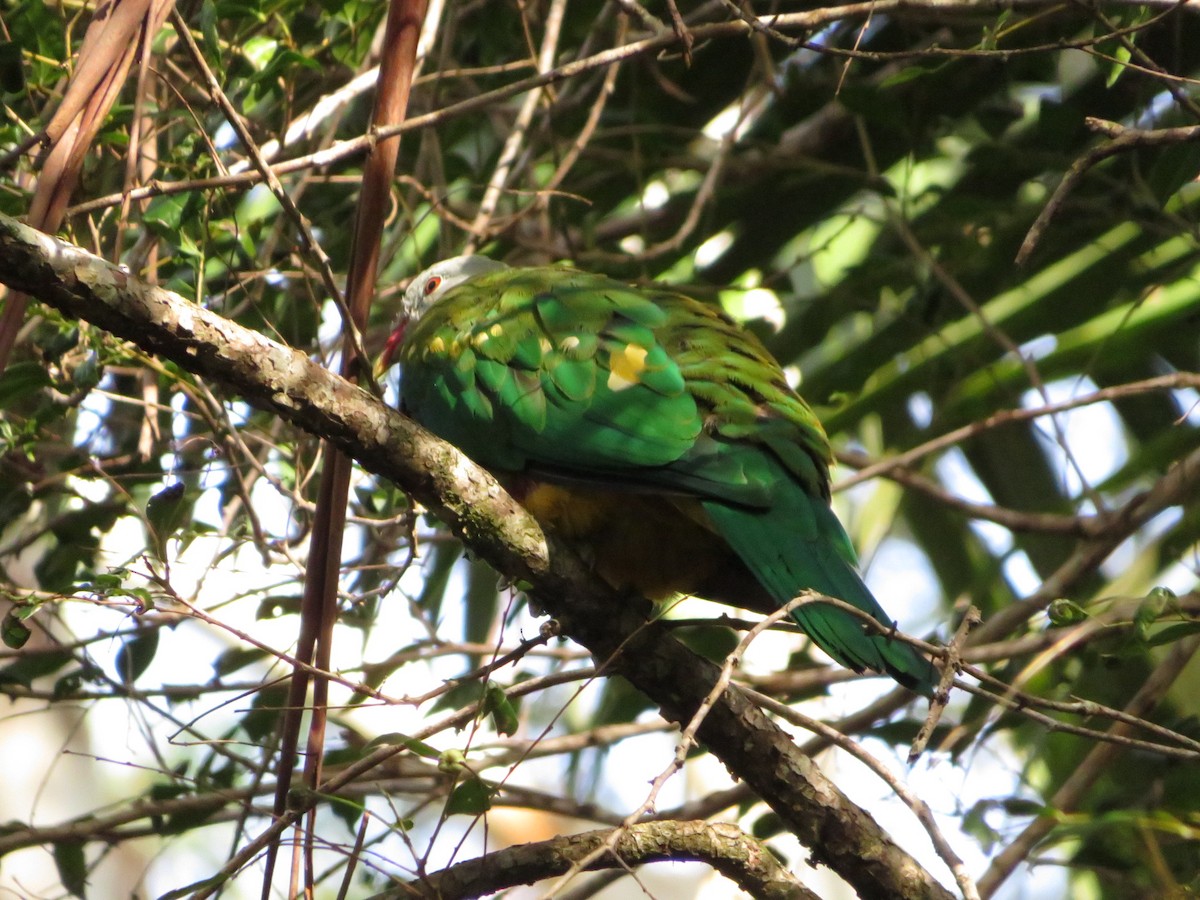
577, 377
580, 377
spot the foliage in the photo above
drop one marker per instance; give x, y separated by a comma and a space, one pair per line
1020, 436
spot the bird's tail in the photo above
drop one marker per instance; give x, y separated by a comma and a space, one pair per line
797, 545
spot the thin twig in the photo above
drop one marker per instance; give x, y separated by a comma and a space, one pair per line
1174, 381
941, 695
955, 288
1123, 140
480, 227
639, 46
309, 243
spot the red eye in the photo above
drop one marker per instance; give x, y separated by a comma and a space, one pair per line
432, 284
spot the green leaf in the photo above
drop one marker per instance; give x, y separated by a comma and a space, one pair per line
907, 74
12, 74
1172, 633
75, 533
714, 643
395, 738
1151, 609
471, 798
86, 375
13, 631
482, 603
502, 710
208, 29
166, 513
767, 826
103, 582
30, 666
259, 50
187, 819
54, 339
462, 694
278, 605
287, 60
349, 810
1064, 612
1119, 65
975, 824
21, 381
135, 655
165, 215
264, 715
169, 790
236, 658
1172, 168
437, 576
73, 680
620, 701
1019, 806
71, 863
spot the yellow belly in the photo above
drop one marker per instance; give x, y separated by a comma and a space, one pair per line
652, 544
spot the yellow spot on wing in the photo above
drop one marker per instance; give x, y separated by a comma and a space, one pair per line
626, 366
437, 345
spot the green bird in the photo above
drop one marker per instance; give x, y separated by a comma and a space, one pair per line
650, 430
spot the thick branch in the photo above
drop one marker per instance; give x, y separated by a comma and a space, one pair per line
723, 846
271, 376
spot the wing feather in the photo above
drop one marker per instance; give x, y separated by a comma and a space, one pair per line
578, 378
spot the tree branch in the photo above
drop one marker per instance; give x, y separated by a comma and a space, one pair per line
837, 832
724, 846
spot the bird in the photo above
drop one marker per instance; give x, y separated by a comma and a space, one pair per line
652, 432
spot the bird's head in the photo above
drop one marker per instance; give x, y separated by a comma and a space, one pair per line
426, 289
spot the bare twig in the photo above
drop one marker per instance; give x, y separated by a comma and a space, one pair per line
1000, 338
1174, 381
1180, 482
639, 46
1123, 140
517, 135
941, 695
308, 242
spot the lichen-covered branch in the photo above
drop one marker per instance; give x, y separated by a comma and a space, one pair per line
740, 858
837, 832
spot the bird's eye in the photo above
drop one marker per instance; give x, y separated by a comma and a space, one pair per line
433, 284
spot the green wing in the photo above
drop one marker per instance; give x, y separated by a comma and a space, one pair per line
530, 366
577, 377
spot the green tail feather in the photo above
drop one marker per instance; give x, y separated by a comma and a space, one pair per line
797, 545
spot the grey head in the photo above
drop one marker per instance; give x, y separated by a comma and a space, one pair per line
424, 290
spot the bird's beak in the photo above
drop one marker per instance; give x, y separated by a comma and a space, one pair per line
387, 357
